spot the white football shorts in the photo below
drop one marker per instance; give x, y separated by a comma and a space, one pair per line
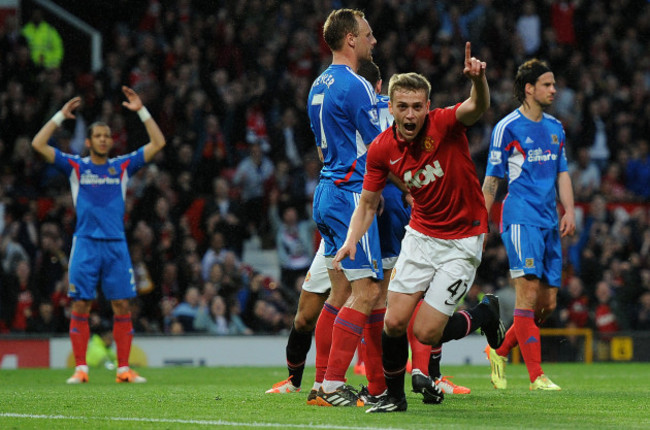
317, 279
443, 269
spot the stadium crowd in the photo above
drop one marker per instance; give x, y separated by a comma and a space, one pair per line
228, 84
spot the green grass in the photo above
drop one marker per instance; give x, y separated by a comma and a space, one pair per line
615, 396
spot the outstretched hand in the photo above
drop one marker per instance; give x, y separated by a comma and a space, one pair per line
474, 68
70, 106
134, 103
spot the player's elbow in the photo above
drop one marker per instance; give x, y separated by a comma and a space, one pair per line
161, 142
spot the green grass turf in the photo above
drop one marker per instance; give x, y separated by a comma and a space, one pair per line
615, 396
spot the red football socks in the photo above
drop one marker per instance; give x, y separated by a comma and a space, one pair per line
372, 354
79, 336
529, 341
123, 335
420, 352
346, 333
323, 338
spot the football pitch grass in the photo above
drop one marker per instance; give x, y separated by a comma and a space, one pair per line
615, 396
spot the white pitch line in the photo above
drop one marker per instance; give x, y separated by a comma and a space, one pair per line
195, 422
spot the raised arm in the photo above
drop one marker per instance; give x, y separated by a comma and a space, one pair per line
479, 97
360, 222
565, 189
39, 143
157, 140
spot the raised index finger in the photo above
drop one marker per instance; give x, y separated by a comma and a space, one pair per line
468, 51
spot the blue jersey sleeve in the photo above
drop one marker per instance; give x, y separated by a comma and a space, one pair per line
497, 155
137, 161
134, 161
62, 161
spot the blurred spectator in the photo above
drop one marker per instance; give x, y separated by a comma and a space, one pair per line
212, 317
529, 28
61, 302
252, 174
237, 325
216, 154
291, 138
10, 39
643, 314
167, 319
256, 130
222, 214
294, 245
613, 184
45, 44
585, 176
562, 20
12, 251
604, 317
597, 131
51, 261
21, 297
185, 312
216, 253
638, 170
45, 321
576, 311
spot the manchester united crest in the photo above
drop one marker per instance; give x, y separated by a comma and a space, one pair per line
428, 144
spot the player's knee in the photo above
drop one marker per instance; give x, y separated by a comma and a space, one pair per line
120, 307
550, 308
394, 326
428, 336
305, 321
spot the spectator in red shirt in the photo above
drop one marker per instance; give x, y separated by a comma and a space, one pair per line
576, 313
21, 290
605, 319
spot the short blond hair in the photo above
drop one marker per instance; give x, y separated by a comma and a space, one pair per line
410, 82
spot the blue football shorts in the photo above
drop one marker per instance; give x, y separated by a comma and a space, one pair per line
95, 262
534, 251
333, 209
391, 224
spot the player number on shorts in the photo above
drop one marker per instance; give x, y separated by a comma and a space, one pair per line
317, 100
457, 291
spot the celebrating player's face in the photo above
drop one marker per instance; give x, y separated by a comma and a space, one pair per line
365, 41
410, 109
544, 92
100, 142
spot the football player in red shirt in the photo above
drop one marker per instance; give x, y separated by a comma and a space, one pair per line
443, 244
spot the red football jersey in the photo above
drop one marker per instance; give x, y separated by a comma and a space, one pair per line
439, 172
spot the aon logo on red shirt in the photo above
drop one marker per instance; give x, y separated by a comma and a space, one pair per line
423, 176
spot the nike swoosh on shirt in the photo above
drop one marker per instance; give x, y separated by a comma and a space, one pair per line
395, 161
